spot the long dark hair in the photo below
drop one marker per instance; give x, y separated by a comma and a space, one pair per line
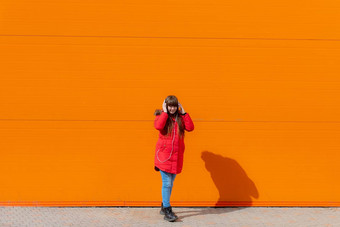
172, 100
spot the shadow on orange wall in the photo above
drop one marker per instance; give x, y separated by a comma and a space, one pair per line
232, 182
234, 186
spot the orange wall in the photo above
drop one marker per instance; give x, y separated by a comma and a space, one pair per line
79, 81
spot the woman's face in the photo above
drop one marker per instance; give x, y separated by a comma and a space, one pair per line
172, 109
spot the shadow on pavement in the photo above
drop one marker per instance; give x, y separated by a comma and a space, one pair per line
218, 210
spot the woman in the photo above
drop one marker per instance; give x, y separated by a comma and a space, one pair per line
171, 123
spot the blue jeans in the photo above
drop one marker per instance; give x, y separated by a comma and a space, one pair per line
168, 182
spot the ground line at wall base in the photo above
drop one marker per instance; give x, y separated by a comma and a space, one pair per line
174, 203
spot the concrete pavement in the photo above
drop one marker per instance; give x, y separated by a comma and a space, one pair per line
97, 216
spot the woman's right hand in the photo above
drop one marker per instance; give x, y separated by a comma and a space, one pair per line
181, 107
164, 107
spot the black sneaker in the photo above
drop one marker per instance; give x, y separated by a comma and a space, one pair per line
173, 212
162, 210
169, 215
163, 213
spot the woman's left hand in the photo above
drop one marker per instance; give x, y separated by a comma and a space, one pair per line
181, 107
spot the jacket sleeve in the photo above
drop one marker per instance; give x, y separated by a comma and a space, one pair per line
160, 121
188, 124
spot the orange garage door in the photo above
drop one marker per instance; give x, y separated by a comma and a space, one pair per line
80, 80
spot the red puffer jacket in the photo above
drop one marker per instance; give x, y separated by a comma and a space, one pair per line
170, 148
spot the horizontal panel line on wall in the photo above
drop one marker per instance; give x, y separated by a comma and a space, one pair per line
160, 37
195, 120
